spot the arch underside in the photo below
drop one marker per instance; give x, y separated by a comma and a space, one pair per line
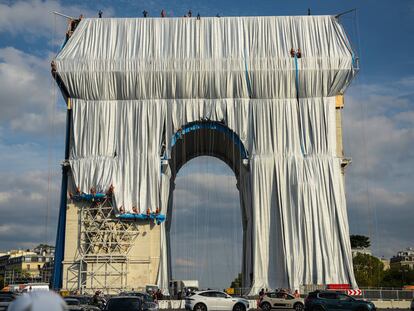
208, 140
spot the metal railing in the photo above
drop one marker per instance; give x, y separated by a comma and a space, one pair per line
367, 293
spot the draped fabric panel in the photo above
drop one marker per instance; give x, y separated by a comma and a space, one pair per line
136, 82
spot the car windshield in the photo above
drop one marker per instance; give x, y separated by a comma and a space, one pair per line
143, 296
345, 297
124, 304
83, 300
72, 302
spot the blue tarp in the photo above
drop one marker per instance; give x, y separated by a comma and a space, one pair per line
158, 218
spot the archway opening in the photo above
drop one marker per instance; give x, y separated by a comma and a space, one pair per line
206, 233
208, 209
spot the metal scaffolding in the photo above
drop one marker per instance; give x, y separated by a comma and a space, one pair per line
104, 244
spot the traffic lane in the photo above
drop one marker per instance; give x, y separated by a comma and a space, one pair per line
396, 309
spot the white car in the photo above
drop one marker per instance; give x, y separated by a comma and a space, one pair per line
210, 300
281, 300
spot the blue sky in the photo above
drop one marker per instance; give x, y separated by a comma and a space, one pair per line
378, 122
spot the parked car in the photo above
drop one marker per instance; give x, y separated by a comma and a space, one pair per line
73, 304
124, 303
334, 301
281, 300
210, 300
148, 303
5, 300
80, 303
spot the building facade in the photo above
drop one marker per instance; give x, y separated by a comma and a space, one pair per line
24, 266
403, 258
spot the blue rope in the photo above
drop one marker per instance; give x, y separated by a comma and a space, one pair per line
297, 98
297, 77
249, 87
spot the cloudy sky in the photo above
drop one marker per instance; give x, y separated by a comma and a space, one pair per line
378, 130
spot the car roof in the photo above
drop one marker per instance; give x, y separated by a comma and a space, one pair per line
125, 297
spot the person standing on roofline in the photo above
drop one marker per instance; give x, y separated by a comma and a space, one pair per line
163, 13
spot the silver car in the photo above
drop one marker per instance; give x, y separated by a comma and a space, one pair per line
281, 300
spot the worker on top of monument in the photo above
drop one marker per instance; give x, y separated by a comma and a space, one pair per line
294, 53
145, 13
134, 210
189, 14
163, 13
73, 23
53, 68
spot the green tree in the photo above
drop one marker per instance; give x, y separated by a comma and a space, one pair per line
368, 270
237, 283
360, 241
398, 277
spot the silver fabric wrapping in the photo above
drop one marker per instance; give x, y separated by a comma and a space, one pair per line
135, 82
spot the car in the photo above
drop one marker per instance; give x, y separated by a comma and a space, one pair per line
148, 303
210, 300
73, 304
80, 303
281, 300
5, 300
124, 303
333, 301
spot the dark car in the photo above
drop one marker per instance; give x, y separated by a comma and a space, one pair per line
73, 304
5, 301
333, 301
124, 303
85, 302
148, 303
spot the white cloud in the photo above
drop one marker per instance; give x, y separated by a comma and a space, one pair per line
27, 93
28, 203
5, 197
34, 18
378, 135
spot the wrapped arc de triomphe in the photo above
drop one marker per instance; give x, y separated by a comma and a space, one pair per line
145, 95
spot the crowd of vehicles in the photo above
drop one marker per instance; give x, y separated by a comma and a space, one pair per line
209, 300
